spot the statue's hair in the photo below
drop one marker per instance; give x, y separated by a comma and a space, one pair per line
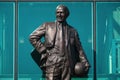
65, 9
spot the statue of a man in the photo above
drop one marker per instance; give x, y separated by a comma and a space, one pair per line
61, 49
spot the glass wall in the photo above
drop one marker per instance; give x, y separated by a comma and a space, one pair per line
33, 14
108, 40
6, 40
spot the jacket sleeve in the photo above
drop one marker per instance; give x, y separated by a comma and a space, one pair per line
80, 50
35, 38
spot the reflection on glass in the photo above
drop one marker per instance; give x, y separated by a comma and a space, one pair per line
6, 40
108, 40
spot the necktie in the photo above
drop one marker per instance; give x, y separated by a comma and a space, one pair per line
61, 35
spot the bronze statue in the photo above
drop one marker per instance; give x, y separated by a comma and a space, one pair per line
60, 55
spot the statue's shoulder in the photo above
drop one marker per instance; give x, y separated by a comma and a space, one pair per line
49, 23
71, 28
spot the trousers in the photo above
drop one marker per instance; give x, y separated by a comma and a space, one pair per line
58, 72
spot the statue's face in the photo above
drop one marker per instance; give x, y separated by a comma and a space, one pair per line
60, 14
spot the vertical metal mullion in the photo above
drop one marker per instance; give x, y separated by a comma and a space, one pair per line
16, 43
94, 39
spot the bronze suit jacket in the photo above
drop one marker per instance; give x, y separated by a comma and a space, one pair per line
73, 45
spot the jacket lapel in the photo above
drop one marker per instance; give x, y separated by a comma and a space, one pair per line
67, 35
51, 34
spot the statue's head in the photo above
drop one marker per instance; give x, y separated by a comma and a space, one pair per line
62, 12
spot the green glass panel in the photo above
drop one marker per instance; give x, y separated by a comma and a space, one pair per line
108, 40
6, 40
33, 14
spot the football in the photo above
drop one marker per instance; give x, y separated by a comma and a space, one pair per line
79, 69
